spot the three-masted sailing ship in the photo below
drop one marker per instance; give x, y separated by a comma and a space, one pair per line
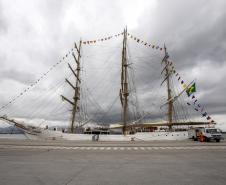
126, 129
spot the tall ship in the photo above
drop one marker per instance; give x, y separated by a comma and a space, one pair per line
87, 117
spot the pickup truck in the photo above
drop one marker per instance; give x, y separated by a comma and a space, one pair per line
208, 134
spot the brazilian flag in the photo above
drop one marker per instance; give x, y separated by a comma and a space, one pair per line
191, 90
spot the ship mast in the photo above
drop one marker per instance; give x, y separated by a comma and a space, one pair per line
76, 88
124, 83
168, 85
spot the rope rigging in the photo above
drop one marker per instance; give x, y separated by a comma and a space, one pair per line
99, 84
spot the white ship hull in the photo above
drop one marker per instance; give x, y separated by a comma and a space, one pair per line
141, 136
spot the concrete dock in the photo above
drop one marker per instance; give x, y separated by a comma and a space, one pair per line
107, 163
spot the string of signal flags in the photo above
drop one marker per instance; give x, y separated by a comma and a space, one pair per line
190, 90
147, 44
95, 41
29, 87
132, 37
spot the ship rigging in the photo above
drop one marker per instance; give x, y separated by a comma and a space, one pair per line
132, 116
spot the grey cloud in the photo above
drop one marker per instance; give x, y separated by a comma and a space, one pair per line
3, 23
19, 76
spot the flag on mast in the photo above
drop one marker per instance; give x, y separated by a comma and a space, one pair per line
191, 90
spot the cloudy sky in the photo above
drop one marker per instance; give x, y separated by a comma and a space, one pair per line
35, 34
